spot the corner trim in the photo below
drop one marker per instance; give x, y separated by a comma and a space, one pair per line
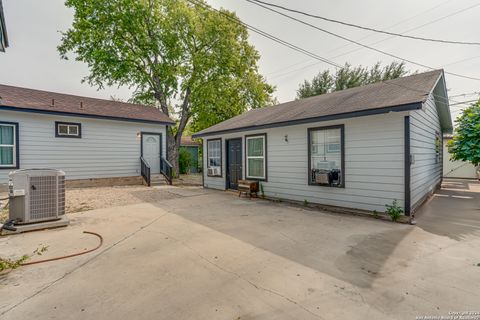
400, 108
407, 164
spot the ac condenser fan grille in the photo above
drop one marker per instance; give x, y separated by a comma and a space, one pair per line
43, 197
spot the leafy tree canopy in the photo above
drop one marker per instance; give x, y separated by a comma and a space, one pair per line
349, 77
193, 63
465, 145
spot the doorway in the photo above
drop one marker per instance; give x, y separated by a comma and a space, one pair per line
234, 162
151, 150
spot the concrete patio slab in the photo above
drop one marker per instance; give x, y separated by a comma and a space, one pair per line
210, 255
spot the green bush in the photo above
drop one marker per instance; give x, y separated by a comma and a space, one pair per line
394, 211
185, 160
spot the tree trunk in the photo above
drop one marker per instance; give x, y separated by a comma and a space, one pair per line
173, 151
175, 140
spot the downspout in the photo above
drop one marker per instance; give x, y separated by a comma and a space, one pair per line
407, 164
166, 142
203, 166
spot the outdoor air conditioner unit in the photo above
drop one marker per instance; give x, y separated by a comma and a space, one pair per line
36, 195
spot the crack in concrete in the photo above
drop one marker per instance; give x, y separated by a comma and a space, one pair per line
82, 265
256, 286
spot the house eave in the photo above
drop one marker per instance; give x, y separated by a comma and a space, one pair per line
82, 115
362, 113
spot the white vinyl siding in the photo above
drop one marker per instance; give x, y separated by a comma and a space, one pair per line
107, 149
456, 169
426, 170
374, 163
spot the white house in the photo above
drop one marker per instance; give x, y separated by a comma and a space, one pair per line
92, 140
456, 169
359, 148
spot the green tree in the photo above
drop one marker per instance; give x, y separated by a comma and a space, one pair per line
349, 77
465, 145
185, 160
195, 64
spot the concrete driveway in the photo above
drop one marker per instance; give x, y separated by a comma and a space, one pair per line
210, 255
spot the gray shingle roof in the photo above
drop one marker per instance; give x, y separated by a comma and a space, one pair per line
407, 92
23, 99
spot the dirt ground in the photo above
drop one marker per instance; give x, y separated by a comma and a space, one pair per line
193, 179
83, 199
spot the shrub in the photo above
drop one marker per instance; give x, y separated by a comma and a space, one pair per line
394, 211
184, 160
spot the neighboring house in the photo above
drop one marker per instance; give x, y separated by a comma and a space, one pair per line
3, 30
192, 147
359, 148
456, 169
87, 138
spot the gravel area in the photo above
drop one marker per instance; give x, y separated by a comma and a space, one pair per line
83, 199
193, 179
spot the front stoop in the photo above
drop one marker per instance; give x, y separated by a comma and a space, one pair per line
157, 180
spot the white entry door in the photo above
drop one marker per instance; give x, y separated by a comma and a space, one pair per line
151, 151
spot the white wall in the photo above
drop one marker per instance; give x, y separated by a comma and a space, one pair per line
374, 163
107, 148
426, 171
456, 169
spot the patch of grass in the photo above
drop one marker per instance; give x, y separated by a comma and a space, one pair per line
3, 213
8, 264
305, 203
11, 264
394, 211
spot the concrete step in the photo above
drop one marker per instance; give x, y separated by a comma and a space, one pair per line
157, 180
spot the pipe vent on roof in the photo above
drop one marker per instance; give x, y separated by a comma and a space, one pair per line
53, 103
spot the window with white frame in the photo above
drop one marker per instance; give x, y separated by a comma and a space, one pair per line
8, 145
214, 157
68, 130
256, 157
326, 158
